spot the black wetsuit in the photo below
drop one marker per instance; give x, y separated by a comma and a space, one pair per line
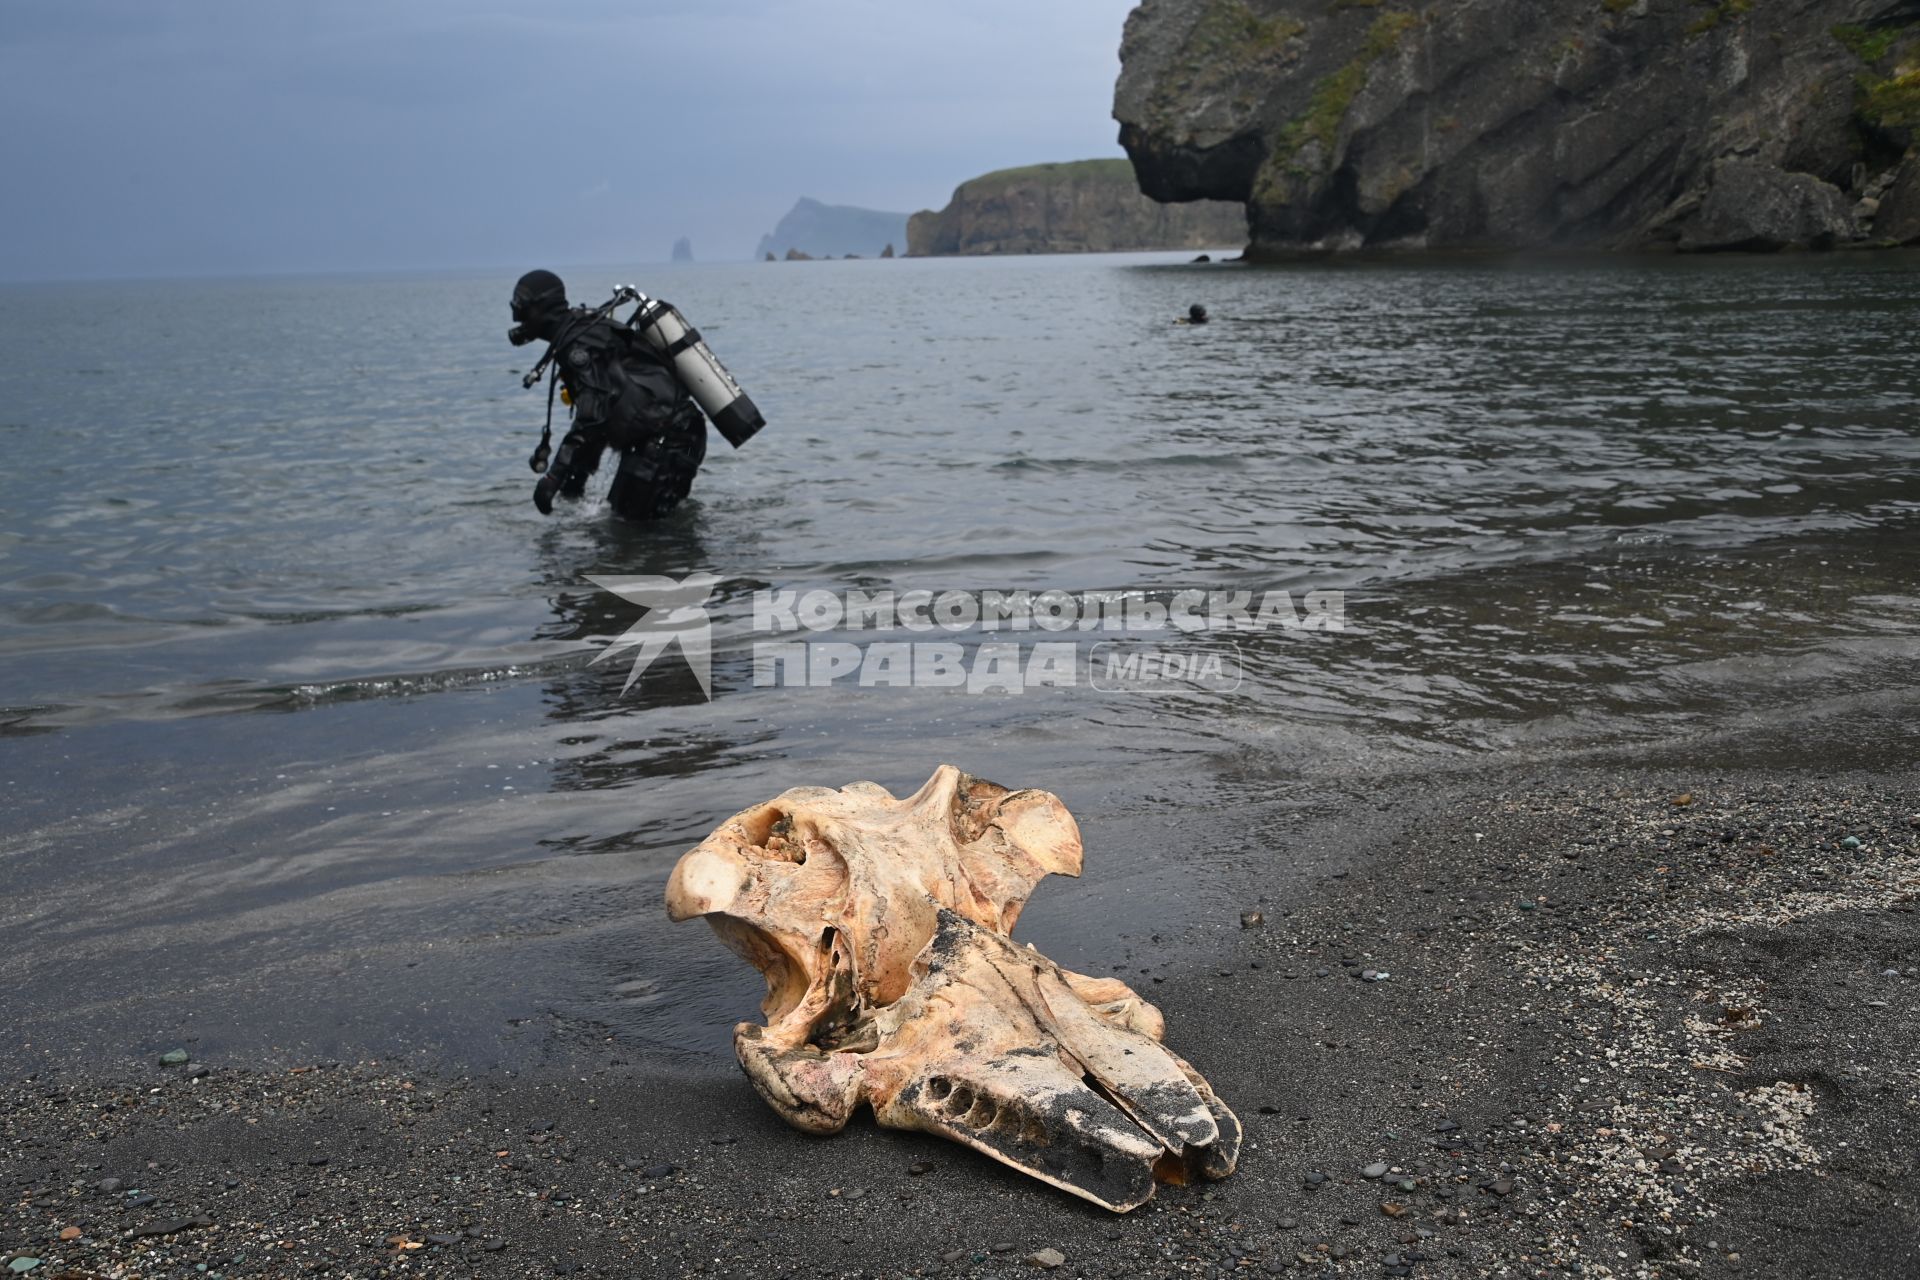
625, 398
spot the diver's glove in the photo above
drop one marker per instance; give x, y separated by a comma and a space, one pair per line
551, 484
560, 478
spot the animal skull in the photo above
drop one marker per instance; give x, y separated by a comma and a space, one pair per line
881, 926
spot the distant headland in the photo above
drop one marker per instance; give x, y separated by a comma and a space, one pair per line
1080, 206
814, 230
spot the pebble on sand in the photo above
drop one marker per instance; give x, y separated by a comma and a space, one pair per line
174, 1058
1046, 1259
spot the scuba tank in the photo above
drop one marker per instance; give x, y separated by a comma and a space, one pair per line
662, 327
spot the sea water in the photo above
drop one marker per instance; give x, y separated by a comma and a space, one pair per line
298, 693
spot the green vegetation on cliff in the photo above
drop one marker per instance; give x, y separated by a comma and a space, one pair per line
1116, 169
1228, 34
1868, 46
1890, 101
1332, 96
1893, 103
1716, 12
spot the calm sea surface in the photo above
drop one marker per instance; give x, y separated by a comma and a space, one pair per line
297, 717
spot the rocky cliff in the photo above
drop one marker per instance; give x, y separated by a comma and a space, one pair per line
1692, 124
819, 230
1085, 206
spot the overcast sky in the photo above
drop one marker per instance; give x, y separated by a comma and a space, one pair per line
240, 136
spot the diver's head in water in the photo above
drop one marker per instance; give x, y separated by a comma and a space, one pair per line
539, 304
1196, 314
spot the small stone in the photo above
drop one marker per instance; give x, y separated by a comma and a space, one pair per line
1252, 919
1851, 842
1501, 1186
1393, 1209
1004, 1246
108, 1185
1377, 1169
1682, 800
1314, 1177
493, 1246
317, 1162
953, 1255
919, 1167
174, 1058
173, 1228
70, 1233
854, 1193
1046, 1259
657, 1171
20, 1266
1289, 1224
540, 1126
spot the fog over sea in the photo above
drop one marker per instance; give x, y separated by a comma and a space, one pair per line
298, 692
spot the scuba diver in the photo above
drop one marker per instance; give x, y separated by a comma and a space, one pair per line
638, 387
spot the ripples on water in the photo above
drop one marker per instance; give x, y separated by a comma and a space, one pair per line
1569, 503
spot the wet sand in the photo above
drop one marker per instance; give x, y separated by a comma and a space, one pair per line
1640, 1017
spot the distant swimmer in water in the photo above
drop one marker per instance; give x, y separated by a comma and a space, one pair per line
1196, 314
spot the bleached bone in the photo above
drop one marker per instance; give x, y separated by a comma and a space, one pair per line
882, 926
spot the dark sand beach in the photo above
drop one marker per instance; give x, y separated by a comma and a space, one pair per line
1648, 1015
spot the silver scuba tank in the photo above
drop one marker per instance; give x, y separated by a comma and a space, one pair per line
662, 327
